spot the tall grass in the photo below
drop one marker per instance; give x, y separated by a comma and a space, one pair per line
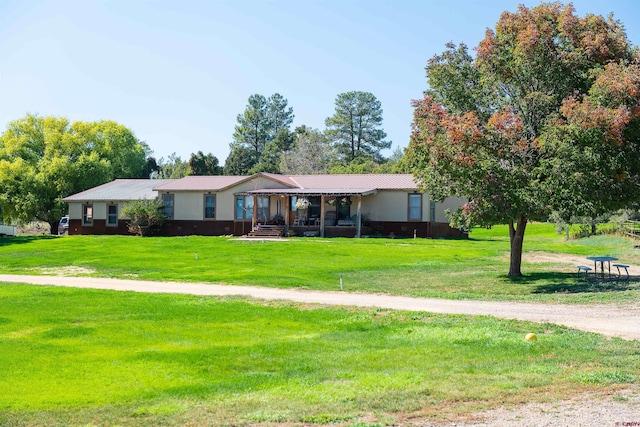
86, 357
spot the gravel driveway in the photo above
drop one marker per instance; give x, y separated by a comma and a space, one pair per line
583, 410
623, 322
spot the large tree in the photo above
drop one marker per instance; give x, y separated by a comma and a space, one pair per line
269, 160
201, 164
544, 118
253, 128
240, 160
279, 115
309, 154
263, 127
355, 127
44, 159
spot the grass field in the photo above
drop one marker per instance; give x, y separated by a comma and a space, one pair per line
74, 357
454, 269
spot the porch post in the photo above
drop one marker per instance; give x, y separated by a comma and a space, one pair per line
322, 199
359, 216
285, 214
254, 217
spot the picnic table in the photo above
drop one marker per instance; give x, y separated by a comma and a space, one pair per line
602, 260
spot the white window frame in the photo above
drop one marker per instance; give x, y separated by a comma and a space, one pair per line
87, 215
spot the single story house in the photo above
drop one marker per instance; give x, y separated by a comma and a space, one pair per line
322, 205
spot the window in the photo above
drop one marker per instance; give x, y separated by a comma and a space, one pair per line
244, 207
343, 208
415, 207
112, 215
263, 208
209, 206
239, 207
432, 211
87, 215
314, 207
167, 201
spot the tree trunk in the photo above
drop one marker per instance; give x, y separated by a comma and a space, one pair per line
516, 236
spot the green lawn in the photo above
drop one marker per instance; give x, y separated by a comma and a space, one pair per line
455, 269
73, 357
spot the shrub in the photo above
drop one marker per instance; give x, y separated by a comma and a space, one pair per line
146, 216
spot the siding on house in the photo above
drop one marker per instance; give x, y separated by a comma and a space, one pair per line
384, 203
189, 194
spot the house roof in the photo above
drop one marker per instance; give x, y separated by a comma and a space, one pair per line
309, 185
286, 180
201, 183
219, 182
338, 185
120, 189
361, 181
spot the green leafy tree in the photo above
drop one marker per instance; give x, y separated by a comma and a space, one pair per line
398, 162
172, 168
395, 164
545, 118
44, 159
354, 129
115, 143
145, 216
359, 165
201, 164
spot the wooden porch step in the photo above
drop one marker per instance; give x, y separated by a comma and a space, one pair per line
267, 231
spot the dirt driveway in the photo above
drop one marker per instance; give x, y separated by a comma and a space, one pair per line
623, 322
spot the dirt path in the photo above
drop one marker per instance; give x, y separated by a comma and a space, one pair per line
621, 322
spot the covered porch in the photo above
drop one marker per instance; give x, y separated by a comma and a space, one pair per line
310, 212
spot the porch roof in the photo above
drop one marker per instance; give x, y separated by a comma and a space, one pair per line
310, 192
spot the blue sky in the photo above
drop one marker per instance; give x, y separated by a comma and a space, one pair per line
177, 73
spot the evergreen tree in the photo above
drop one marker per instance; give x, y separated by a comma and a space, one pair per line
354, 129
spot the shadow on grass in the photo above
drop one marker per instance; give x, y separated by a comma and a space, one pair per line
569, 283
14, 240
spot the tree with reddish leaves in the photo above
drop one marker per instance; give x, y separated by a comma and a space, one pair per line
545, 118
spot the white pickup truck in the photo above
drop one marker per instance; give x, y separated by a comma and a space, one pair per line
7, 230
